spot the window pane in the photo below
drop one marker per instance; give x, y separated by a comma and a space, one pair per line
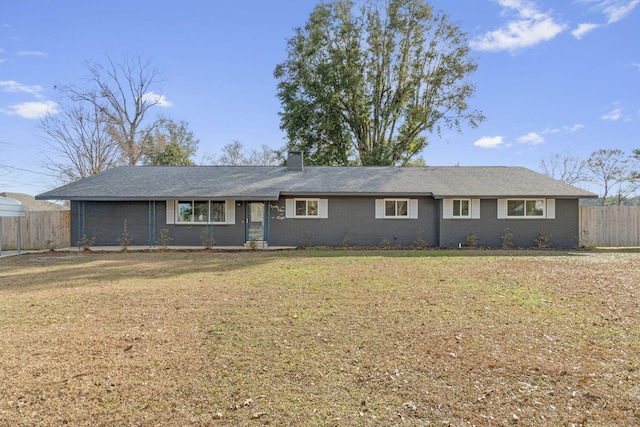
200, 211
301, 208
515, 207
185, 211
464, 207
312, 207
389, 208
402, 208
535, 207
456, 208
217, 211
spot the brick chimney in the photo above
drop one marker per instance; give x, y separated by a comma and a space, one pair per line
294, 161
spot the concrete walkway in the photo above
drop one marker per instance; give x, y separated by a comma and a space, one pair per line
6, 254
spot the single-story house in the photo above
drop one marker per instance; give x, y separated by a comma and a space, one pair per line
322, 205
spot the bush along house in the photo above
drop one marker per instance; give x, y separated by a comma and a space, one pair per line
296, 205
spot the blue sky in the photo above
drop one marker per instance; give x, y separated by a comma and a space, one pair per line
554, 75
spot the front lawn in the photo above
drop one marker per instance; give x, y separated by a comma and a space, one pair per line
320, 337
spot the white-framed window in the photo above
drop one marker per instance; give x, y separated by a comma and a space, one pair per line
396, 208
307, 208
527, 208
461, 208
200, 212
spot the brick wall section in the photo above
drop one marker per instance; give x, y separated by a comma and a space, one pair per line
563, 230
104, 221
355, 216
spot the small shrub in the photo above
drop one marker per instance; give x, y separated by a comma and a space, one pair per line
471, 241
124, 240
419, 240
50, 245
307, 239
507, 239
543, 240
384, 243
207, 239
345, 239
85, 243
164, 239
253, 244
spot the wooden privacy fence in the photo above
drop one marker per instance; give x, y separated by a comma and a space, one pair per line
610, 225
38, 230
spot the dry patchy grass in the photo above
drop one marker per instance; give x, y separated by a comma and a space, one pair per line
310, 338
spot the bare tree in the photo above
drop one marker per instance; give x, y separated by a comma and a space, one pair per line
611, 168
80, 138
231, 154
234, 154
265, 156
123, 93
564, 167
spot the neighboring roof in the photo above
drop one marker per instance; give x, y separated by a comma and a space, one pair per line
270, 182
10, 208
30, 204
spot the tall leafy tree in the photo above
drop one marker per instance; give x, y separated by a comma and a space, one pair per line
170, 143
365, 86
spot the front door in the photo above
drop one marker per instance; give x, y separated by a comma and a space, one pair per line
255, 221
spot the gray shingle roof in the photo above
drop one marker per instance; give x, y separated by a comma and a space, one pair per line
269, 182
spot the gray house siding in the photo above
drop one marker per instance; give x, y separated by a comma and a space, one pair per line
563, 230
355, 218
104, 222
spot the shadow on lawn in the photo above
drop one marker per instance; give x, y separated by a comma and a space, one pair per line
438, 252
76, 269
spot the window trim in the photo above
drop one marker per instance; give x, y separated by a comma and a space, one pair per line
412, 208
460, 215
525, 215
474, 209
295, 208
396, 216
173, 212
548, 208
290, 208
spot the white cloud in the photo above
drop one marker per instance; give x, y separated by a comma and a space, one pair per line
33, 53
33, 110
615, 10
573, 128
490, 142
566, 129
584, 29
13, 86
613, 115
531, 138
528, 28
159, 100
